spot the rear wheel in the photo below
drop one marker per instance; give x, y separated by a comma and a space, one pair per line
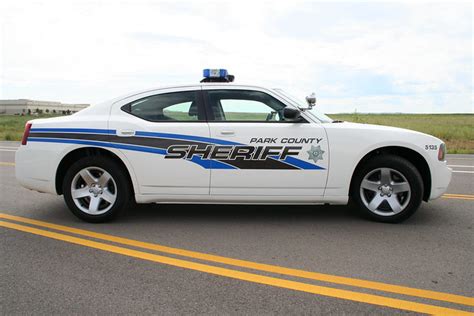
388, 189
96, 189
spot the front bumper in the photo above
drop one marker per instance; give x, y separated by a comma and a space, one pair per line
441, 177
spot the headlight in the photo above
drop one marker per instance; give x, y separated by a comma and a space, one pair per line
442, 152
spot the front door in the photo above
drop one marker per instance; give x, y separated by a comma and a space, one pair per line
266, 155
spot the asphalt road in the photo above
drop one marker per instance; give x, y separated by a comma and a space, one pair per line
56, 270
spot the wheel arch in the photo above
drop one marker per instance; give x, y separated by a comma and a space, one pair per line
82, 152
409, 154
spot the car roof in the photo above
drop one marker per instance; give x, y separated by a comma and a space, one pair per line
203, 84
198, 85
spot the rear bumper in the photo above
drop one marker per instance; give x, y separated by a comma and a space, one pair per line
34, 168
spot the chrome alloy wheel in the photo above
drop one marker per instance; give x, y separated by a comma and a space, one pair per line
385, 191
93, 190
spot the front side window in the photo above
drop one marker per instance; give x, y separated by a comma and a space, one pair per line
244, 105
176, 106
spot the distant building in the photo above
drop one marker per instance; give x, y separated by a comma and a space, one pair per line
25, 106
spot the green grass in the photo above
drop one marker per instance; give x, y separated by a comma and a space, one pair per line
457, 130
12, 126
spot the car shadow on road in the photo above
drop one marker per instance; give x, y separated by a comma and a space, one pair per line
56, 210
343, 214
239, 213
205, 213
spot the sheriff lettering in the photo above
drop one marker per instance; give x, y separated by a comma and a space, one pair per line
231, 152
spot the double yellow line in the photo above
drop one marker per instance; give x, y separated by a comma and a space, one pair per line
2, 163
10, 221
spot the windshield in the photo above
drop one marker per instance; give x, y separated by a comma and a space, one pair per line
301, 102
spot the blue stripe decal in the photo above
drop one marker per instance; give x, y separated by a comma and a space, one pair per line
138, 133
196, 159
301, 164
98, 143
74, 130
217, 165
187, 137
211, 164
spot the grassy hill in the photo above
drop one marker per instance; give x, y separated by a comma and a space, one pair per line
457, 130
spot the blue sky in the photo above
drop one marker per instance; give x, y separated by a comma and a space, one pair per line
369, 57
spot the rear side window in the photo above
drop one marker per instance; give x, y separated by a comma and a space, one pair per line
168, 107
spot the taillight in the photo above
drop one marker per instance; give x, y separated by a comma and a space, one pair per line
442, 152
26, 133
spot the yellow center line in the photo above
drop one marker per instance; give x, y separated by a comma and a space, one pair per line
398, 289
6, 163
245, 276
459, 195
467, 197
458, 198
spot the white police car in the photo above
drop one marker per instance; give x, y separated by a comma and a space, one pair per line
220, 142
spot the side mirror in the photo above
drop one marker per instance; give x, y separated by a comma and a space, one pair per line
292, 115
311, 99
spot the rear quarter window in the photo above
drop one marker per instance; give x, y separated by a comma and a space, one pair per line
167, 107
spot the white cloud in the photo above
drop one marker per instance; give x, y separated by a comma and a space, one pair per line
370, 56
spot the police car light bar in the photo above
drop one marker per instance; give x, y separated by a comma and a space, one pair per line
216, 75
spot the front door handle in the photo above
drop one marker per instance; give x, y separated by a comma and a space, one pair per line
126, 133
227, 133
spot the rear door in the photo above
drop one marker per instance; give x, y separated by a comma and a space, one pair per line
266, 155
145, 126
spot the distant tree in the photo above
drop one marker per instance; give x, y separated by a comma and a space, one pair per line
37, 110
68, 112
47, 110
40, 111
64, 112
29, 111
54, 111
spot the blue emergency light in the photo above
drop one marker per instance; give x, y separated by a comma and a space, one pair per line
216, 75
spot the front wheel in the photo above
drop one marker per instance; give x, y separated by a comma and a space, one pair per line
388, 189
96, 189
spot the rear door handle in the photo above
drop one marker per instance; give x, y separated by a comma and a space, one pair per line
227, 133
126, 133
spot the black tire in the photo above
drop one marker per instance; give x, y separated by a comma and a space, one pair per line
399, 165
121, 188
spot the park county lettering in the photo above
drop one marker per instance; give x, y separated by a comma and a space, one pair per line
285, 140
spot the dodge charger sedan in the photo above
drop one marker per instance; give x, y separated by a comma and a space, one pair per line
226, 143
